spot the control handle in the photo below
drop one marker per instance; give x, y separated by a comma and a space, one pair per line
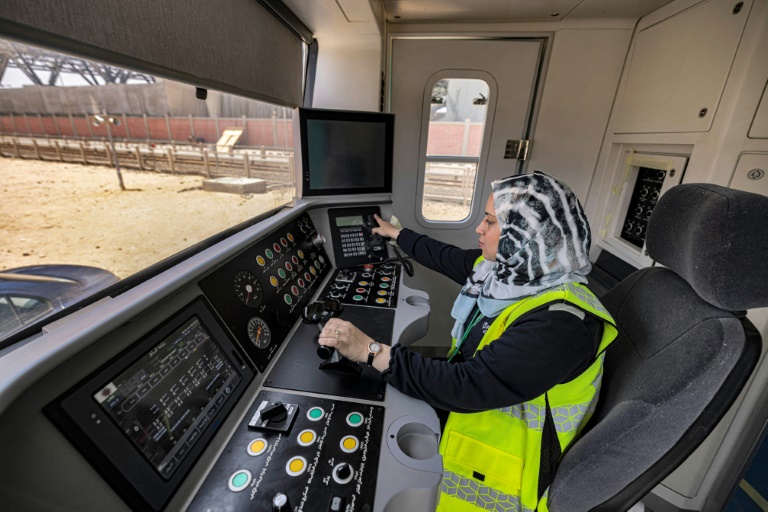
280, 503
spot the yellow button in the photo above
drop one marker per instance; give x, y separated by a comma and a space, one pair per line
381, 301
257, 447
307, 437
296, 466
349, 444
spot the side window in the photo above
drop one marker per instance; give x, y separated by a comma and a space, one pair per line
457, 113
29, 308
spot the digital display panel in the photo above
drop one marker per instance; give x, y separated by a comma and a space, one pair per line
164, 400
356, 220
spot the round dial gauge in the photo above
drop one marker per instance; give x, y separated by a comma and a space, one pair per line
248, 289
259, 333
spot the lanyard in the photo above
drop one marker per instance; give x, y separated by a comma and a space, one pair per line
472, 323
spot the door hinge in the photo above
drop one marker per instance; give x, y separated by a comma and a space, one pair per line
517, 149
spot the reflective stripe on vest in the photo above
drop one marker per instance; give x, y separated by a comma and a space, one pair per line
491, 459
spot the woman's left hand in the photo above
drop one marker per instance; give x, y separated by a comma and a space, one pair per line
350, 341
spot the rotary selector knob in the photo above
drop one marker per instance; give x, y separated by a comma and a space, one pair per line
318, 240
343, 473
280, 503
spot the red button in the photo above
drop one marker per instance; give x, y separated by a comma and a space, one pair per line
367, 265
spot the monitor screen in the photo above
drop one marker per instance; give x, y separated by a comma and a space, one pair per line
345, 152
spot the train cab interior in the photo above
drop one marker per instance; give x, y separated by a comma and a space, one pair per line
195, 381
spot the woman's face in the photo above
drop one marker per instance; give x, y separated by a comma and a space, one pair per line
489, 231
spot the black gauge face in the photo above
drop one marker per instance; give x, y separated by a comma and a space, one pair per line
259, 333
248, 289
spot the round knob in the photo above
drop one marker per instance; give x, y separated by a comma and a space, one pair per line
318, 240
280, 503
343, 473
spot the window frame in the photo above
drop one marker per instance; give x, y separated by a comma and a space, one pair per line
476, 199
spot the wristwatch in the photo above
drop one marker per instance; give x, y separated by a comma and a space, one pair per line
373, 349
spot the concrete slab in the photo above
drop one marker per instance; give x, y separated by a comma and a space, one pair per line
236, 185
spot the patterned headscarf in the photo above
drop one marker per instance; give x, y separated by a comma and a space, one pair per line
544, 241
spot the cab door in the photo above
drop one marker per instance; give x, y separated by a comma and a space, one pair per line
462, 107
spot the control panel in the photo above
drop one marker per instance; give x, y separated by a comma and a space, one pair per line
368, 285
354, 243
261, 292
644, 196
298, 453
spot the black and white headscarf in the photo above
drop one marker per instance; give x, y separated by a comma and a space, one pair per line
544, 241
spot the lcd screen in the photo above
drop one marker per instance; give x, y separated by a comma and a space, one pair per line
346, 154
164, 400
356, 220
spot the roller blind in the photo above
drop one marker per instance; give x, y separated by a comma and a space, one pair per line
234, 46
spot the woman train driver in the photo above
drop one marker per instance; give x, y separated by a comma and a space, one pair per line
525, 365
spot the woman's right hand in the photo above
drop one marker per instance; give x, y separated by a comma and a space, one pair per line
385, 228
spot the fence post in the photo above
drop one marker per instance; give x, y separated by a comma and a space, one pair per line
274, 129
13, 120
218, 133
170, 160
29, 128
74, 127
245, 132
168, 126
137, 150
37, 149
42, 126
82, 153
207, 162
108, 152
16, 147
56, 125
247, 163
127, 127
465, 139
90, 126
263, 153
58, 150
192, 128
146, 128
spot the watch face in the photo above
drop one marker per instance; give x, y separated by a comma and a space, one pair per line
374, 348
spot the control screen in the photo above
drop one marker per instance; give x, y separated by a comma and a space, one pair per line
354, 220
164, 400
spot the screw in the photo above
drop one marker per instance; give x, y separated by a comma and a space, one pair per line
755, 174
703, 112
672, 173
737, 7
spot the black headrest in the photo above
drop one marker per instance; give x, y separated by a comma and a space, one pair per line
715, 238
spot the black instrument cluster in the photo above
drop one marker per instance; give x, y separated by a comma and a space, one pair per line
260, 293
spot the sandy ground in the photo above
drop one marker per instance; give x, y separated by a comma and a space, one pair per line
54, 212
69, 213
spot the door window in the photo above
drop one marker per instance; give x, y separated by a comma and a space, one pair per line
458, 110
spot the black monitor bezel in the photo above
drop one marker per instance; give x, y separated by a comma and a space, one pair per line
93, 432
307, 114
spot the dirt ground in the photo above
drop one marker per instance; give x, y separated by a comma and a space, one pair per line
68, 213
54, 212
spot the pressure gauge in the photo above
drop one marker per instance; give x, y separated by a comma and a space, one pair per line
248, 289
259, 333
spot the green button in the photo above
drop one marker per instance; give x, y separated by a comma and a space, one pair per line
355, 419
383, 285
269, 254
315, 413
288, 299
358, 297
281, 273
240, 480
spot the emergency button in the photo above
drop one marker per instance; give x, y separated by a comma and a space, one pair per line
349, 444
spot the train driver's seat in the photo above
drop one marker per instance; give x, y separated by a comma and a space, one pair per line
684, 350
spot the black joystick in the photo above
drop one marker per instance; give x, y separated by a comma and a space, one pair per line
280, 503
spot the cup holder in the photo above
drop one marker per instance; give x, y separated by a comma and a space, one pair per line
414, 441
417, 441
418, 301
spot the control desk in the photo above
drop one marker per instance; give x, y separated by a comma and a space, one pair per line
216, 398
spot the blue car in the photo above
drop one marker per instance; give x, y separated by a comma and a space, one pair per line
28, 294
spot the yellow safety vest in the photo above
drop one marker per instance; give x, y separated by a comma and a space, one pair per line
491, 459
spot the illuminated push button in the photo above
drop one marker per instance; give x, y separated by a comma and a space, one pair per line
365, 274
360, 290
320, 257
382, 292
368, 266
284, 242
354, 419
257, 447
317, 264
288, 299
276, 247
295, 260
260, 260
290, 237
281, 273
306, 437
357, 298
315, 414
349, 444
288, 266
363, 283
300, 253
386, 279
294, 290
296, 466
240, 480
307, 276
312, 269
273, 280
384, 285
381, 301
301, 282
269, 254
